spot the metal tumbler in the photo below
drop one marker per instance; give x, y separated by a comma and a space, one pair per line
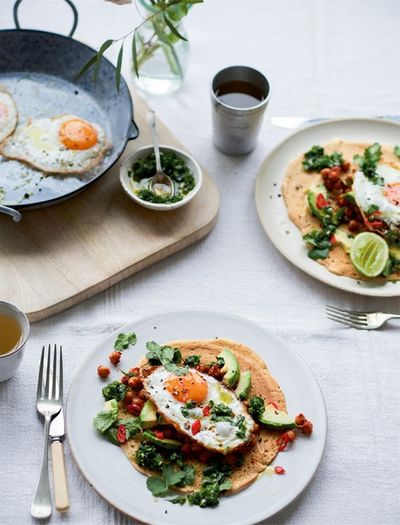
235, 129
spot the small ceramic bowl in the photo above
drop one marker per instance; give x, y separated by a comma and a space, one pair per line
143, 152
10, 362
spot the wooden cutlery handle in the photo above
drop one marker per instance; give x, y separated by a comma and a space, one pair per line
59, 476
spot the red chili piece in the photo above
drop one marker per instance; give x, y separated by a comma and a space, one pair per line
321, 202
273, 404
280, 470
206, 410
332, 239
196, 427
121, 434
284, 439
159, 434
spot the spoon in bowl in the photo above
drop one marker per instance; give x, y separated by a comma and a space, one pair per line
160, 183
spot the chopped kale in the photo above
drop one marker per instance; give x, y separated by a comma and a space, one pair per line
256, 406
114, 390
192, 361
147, 456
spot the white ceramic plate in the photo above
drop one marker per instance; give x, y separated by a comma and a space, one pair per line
108, 470
272, 210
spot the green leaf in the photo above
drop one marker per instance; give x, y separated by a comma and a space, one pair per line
114, 390
173, 28
111, 434
119, 67
133, 426
100, 53
106, 418
157, 486
134, 55
87, 66
396, 151
124, 341
171, 475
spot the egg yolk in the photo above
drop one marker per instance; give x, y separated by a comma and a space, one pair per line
392, 193
191, 387
3, 112
77, 134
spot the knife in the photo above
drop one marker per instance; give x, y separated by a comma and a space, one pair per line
298, 122
57, 435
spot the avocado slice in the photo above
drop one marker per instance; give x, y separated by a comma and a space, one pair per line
244, 385
312, 200
148, 415
344, 239
276, 419
171, 444
231, 368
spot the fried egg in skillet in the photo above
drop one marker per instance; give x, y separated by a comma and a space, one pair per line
8, 114
63, 144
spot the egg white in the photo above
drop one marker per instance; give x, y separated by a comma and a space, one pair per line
9, 117
216, 436
37, 143
367, 193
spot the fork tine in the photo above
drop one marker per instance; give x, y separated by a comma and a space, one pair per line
60, 378
343, 311
342, 321
39, 392
346, 317
47, 386
348, 322
54, 375
359, 316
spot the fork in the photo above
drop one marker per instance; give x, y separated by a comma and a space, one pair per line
48, 404
359, 320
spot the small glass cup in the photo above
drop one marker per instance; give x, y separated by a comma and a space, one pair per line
235, 129
10, 362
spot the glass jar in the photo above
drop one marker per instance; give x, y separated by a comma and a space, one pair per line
162, 56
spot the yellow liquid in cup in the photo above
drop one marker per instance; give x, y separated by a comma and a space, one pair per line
10, 334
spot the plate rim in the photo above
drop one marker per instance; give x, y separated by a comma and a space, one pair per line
199, 311
370, 292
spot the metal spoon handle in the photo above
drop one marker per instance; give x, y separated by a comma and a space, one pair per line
10, 211
153, 129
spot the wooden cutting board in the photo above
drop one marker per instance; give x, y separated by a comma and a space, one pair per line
58, 256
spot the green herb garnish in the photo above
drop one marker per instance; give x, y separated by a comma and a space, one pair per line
106, 418
147, 456
192, 361
396, 151
114, 390
369, 161
241, 431
171, 476
173, 166
166, 356
315, 159
256, 406
320, 242
185, 409
124, 341
221, 412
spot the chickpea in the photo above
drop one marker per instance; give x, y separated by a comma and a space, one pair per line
115, 357
354, 226
135, 383
143, 394
134, 409
137, 401
128, 397
124, 380
345, 166
135, 371
103, 371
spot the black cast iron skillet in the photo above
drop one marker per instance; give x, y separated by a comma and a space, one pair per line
33, 67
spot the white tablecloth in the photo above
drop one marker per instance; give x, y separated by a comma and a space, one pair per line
321, 57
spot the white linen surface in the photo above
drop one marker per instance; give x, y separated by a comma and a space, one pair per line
322, 58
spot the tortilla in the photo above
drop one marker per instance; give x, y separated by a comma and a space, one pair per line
263, 384
294, 189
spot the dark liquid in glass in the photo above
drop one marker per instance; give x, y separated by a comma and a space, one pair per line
239, 94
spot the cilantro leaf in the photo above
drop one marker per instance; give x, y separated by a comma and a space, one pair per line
106, 418
166, 356
157, 486
315, 159
124, 341
396, 151
368, 163
114, 390
133, 426
192, 361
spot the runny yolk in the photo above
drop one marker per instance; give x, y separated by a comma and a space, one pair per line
392, 193
77, 134
3, 112
191, 387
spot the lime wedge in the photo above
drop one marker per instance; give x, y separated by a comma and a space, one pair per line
369, 254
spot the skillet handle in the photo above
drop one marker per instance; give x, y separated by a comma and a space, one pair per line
10, 211
69, 2
133, 131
